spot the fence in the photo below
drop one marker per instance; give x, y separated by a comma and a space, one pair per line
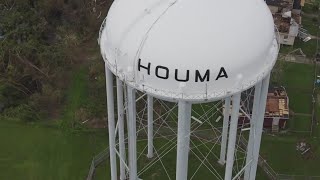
96, 161
315, 94
267, 169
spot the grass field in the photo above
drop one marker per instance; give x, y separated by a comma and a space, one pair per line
298, 76
308, 48
298, 81
300, 123
32, 152
76, 96
40, 152
157, 172
281, 154
280, 151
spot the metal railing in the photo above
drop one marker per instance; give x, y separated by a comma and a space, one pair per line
96, 161
267, 169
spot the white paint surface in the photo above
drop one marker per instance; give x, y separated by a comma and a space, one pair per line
189, 35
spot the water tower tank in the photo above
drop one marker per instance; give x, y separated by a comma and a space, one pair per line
187, 49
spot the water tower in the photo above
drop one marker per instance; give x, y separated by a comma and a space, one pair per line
187, 52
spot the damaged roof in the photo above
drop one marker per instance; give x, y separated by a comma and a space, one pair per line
277, 103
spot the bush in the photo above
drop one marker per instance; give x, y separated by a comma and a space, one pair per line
315, 7
48, 100
96, 105
22, 112
314, 19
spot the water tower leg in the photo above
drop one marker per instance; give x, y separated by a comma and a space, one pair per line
132, 137
232, 135
122, 148
111, 124
254, 118
150, 127
224, 136
183, 142
259, 127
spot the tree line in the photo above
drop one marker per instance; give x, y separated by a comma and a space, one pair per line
37, 38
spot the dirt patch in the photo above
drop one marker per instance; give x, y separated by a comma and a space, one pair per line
96, 123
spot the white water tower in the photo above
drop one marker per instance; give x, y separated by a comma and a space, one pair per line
188, 52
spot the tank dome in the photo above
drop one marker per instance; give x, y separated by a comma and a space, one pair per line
196, 50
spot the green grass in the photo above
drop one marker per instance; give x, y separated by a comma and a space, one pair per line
281, 154
77, 95
36, 152
31, 152
280, 151
298, 75
40, 152
317, 129
299, 102
316, 132
308, 48
298, 81
157, 172
310, 24
300, 123
208, 111
310, 8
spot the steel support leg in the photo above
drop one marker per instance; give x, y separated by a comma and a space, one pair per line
259, 126
111, 124
184, 120
232, 135
224, 136
150, 127
132, 133
254, 119
122, 147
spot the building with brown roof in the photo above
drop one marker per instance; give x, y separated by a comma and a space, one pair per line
277, 110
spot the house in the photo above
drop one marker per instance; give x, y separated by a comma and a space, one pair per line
277, 110
287, 18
